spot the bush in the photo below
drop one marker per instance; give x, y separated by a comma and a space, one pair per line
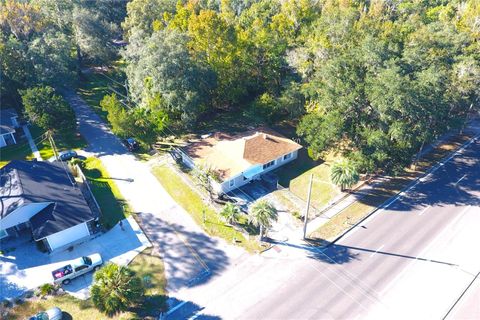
48, 110
46, 289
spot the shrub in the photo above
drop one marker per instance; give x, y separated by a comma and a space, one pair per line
46, 289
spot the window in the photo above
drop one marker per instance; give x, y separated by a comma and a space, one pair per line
80, 268
231, 183
268, 165
3, 233
287, 156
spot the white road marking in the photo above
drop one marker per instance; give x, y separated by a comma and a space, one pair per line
463, 177
422, 253
176, 307
423, 211
373, 253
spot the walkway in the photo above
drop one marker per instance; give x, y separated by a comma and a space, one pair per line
35, 151
191, 257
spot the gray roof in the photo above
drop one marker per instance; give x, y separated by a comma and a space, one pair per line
6, 116
23, 182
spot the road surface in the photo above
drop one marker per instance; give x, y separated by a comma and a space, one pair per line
411, 260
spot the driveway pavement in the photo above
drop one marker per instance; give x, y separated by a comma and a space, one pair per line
24, 267
190, 256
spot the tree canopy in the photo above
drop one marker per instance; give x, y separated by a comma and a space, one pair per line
374, 80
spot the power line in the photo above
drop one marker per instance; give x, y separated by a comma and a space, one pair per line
55, 152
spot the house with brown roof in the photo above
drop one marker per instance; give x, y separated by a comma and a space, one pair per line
240, 158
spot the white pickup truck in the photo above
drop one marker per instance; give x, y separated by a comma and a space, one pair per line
76, 268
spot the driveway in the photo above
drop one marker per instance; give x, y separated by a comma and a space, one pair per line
24, 267
190, 255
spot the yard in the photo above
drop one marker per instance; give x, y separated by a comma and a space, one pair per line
22, 151
98, 84
296, 176
145, 264
195, 206
113, 205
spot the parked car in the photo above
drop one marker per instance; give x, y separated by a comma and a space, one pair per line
64, 156
131, 144
50, 314
76, 268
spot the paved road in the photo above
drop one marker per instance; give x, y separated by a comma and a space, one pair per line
363, 275
411, 260
186, 250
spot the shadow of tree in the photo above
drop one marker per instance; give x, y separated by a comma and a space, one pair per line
191, 258
186, 310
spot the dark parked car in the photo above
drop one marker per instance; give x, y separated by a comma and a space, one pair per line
131, 144
65, 156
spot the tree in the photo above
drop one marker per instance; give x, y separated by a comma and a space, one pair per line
263, 214
48, 110
344, 174
230, 212
162, 75
115, 289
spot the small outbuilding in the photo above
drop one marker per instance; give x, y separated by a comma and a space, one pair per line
8, 127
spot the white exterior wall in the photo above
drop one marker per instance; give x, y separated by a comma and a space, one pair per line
22, 214
239, 181
3, 143
67, 236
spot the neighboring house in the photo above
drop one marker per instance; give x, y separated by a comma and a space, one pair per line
8, 125
241, 158
41, 196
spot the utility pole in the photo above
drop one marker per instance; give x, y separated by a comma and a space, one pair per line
52, 143
307, 208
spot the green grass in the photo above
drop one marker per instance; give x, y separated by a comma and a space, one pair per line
113, 205
21, 150
296, 176
72, 309
378, 195
144, 264
95, 86
148, 264
194, 205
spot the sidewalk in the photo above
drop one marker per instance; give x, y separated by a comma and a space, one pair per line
191, 257
28, 135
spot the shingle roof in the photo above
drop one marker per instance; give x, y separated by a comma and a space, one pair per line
230, 155
39, 181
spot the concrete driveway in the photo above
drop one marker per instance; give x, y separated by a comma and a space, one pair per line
23, 267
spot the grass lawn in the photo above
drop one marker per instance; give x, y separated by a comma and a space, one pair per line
96, 85
194, 205
296, 176
375, 197
63, 142
21, 150
113, 205
144, 264
149, 265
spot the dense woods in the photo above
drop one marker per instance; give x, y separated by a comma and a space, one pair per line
375, 80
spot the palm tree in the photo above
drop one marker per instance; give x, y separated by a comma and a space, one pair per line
115, 289
344, 174
230, 212
262, 214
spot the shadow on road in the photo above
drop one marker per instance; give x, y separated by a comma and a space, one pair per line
196, 256
186, 310
455, 183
